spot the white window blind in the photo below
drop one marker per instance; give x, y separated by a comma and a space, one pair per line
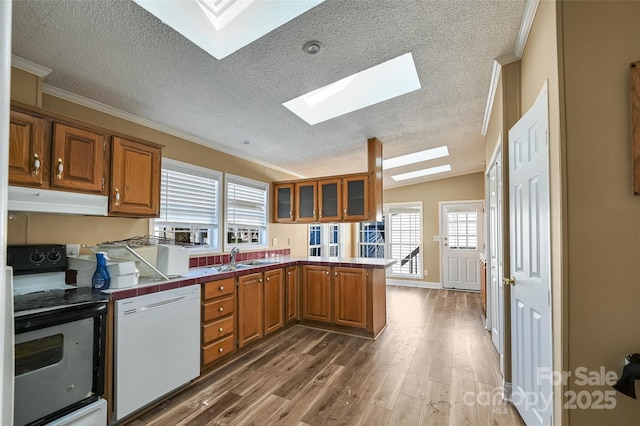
189, 204
246, 210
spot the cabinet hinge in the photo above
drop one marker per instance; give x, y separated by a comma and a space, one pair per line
102, 183
104, 145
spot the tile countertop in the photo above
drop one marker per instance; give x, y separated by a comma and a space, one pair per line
209, 273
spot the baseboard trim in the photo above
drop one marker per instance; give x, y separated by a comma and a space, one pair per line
410, 283
508, 390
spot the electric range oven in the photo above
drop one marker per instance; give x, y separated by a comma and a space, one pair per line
59, 338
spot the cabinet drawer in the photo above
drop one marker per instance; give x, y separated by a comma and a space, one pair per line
218, 288
216, 309
217, 329
217, 350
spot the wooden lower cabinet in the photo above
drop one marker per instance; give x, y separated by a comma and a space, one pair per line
350, 297
273, 300
218, 337
316, 293
250, 308
291, 294
345, 299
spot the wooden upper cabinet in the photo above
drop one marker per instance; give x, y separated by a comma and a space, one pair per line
306, 206
27, 155
283, 202
78, 159
355, 197
350, 297
135, 179
330, 200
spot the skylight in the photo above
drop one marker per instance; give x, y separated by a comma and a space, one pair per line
220, 27
416, 157
421, 173
384, 81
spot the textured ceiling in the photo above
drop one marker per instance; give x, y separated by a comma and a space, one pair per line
116, 53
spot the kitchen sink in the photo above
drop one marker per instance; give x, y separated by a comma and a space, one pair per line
258, 262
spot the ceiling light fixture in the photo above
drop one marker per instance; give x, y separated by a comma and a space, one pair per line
416, 157
421, 173
312, 47
381, 82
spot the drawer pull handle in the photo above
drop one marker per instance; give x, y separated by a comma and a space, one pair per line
327, 272
336, 273
267, 278
221, 288
220, 350
36, 164
221, 329
60, 168
220, 309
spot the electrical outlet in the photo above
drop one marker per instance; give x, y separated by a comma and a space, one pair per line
73, 249
274, 242
426, 272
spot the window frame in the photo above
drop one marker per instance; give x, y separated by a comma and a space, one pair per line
193, 170
325, 239
248, 182
361, 244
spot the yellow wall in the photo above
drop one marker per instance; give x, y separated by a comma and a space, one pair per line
23, 229
459, 188
601, 39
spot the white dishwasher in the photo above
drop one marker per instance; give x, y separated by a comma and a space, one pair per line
157, 346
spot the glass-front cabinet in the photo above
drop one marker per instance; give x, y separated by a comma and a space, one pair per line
355, 197
330, 200
306, 209
283, 193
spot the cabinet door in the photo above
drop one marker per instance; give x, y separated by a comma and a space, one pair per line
329, 200
78, 159
291, 308
355, 192
273, 300
135, 179
350, 297
316, 293
250, 308
283, 194
27, 155
306, 210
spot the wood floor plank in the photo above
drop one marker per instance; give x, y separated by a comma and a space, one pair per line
462, 391
436, 405
375, 416
406, 412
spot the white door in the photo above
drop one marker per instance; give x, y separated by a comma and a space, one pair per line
495, 304
462, 239
530, 264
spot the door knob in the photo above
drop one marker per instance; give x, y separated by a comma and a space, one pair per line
509, 281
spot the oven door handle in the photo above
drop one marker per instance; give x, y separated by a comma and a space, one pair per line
59, 316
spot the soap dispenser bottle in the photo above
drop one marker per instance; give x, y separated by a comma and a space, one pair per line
101, 278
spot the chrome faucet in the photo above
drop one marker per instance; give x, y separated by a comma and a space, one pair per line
234, 252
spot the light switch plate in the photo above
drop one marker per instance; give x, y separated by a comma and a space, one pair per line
72, 249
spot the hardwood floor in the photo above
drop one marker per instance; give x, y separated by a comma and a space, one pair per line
433, 365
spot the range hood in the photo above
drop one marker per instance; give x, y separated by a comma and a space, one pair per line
33, 200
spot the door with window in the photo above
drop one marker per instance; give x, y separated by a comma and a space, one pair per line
461, 244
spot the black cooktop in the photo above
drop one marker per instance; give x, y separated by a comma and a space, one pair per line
56, 299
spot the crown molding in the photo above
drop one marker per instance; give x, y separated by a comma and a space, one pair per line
28, 66
523, 35
98, 106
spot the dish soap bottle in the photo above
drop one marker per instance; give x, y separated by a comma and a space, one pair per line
101, 278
